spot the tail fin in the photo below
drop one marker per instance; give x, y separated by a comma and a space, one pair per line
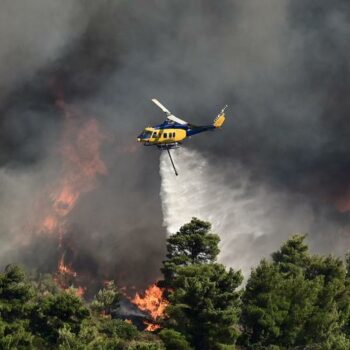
220, 119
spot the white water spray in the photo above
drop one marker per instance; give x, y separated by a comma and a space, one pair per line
251, 220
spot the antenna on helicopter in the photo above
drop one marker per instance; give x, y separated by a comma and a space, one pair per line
223, 110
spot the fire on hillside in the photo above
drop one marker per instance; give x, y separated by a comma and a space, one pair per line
152, 302
79, 150
81, 166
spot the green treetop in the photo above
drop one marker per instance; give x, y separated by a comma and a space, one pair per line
16, 303
107, 299
204, 302
54, 312
192, 244
297, 301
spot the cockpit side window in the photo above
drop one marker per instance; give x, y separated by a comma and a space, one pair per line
146, 134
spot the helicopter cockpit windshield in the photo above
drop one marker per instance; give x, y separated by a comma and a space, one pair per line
146, 134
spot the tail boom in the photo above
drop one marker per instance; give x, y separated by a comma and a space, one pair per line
217, 123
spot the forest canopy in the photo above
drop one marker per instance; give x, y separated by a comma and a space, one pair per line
293, 300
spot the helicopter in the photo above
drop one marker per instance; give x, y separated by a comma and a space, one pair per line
173, 131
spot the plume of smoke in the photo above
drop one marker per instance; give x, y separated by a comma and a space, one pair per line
281, 65
32, 35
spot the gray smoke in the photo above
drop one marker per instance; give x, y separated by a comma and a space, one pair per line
278, 166
33, 34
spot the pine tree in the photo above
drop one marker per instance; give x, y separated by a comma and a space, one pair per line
192, 244
16, 295
107, 299
204, 302
297, 300
55, 312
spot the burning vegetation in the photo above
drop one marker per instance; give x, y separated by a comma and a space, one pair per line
154, 303
81, 165
203, 309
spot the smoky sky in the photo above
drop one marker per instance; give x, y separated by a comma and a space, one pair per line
282, 66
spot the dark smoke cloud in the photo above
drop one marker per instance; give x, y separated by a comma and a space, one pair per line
285, 76
282, 66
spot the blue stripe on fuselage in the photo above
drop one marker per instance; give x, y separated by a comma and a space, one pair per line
167, 125
199, 129
190, 130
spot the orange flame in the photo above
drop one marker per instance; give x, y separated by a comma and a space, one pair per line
49, 224
64, 269
151, 327
154, 303
79, 148
80, 291
64, 276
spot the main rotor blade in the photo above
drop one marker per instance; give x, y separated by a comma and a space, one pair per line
155, 101
176, 119
169, 115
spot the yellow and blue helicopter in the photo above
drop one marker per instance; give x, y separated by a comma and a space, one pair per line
173, 131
